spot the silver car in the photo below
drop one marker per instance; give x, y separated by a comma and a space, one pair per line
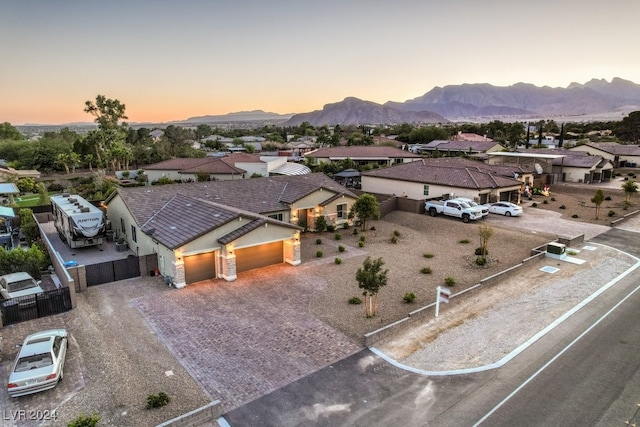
16, 285
39, 365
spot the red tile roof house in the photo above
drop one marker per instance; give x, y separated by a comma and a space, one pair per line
432, 178
229, 167
217, 229
363, 155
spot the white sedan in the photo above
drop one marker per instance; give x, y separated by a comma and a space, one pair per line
505, 208
40, 363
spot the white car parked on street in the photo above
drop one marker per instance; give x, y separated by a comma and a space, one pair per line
505, 208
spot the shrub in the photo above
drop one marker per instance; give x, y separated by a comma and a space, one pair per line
361, 244
426, 270
396, 233
337, 236
572, 253
85, 421
341, 248
355, 232
409, 297
394, 239
157, 400
481, 260
562, 207
534, 205
321, 224
553, 199
362, 238
331, 228
478, 252
607, 198
428, 255
319, 254
54, 187
449, 281
611, 213
337, 261
355, 300
574, 216
318, 241
372, 229
464, 241
545, 201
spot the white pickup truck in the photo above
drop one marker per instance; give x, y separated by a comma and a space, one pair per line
455, 208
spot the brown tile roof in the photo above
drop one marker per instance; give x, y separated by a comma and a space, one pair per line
250, 197
178, 164
217, 166
362, 152
436, 172
444, 145
616, 149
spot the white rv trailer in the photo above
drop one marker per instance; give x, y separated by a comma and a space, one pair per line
78, 222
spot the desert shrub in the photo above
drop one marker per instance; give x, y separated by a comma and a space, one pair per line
372, 229
337, 261
464, 241
575, 216
355, 300
341, 248
534, 204
331, 228
425, 270
85, 421
607, 198
396, 233
318, 241
545, 201
481, 260
337, 236
553, 199
611, 213
428, 255
572, 253
361, 244
478, 251
157, 400
355, 232
319, 254
394, 239
449, 281
362, 238
54, 187
630, 174
409, 297
562, 207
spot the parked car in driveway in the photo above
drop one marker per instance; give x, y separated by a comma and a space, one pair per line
16, 285
39, 365
505, 208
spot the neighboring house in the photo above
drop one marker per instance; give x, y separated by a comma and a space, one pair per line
621, 155
449, 148
577, 166
223, 168
209, 230
432, 178
9, 173
156, 134
363, 155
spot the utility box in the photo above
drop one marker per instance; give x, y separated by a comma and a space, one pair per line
556, 248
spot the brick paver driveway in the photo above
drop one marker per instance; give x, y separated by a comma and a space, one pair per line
243, 339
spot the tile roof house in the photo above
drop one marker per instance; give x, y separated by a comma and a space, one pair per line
363, 155
432, 178
578, 166
206, 230
458, 147
229, 167
620, 154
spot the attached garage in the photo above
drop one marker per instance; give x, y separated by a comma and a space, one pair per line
259, 256
200, 267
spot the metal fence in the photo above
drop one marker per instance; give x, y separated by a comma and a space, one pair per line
111, 271
31, 307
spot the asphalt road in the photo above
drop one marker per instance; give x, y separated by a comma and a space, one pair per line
584, 372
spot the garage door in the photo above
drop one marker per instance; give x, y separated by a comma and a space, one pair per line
199, 267
258, 256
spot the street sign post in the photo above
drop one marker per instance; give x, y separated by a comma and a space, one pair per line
442, 295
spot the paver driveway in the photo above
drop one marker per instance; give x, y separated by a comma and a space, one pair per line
243, 339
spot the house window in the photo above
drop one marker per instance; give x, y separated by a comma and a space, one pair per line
425, 190
123, 228
342, 211
278, 216
133, 234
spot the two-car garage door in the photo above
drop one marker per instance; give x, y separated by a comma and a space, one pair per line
203, 266
258, 256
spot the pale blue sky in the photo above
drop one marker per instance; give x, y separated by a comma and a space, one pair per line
170, 60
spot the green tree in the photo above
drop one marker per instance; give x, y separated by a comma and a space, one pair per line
597, 200
629, 187
108, 113
366, 207
629, 128
371, 278
9, 132
29, 225
485, 232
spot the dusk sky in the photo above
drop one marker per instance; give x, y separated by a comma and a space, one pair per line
171, 60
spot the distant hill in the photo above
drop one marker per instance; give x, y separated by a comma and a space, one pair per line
354, 111
596, 97
242, 116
